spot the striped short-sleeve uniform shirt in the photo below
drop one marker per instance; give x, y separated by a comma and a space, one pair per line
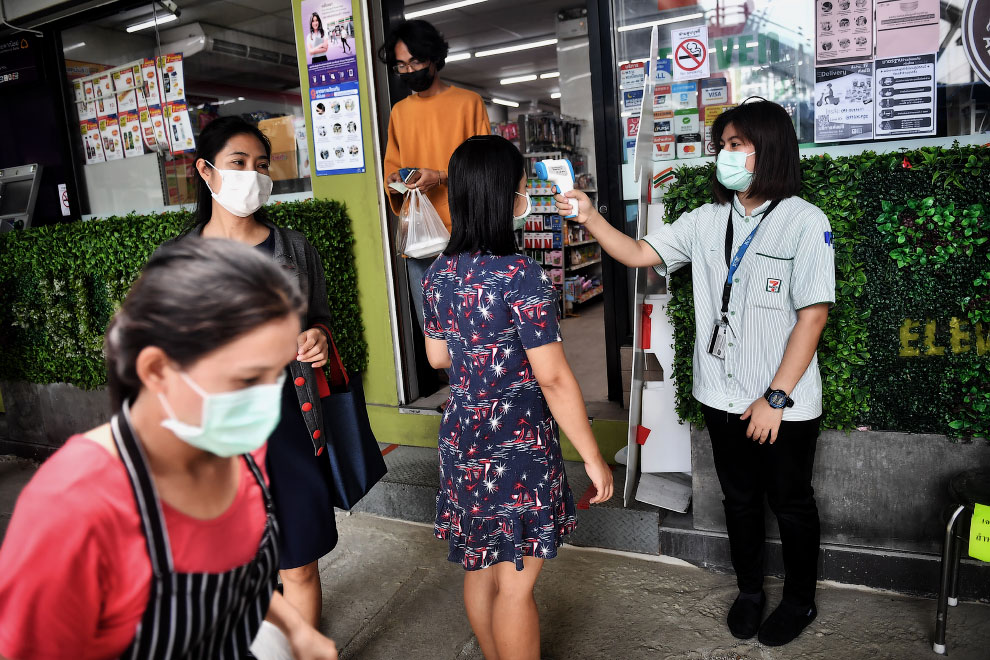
789, 265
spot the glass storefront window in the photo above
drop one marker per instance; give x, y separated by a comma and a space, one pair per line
767, 48
142, 98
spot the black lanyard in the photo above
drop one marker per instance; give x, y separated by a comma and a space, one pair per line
732, 263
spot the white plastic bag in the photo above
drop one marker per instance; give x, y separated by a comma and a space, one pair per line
421, 232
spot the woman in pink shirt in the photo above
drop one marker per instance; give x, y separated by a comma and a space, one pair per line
153, 536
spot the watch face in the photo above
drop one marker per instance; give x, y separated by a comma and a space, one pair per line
777, 399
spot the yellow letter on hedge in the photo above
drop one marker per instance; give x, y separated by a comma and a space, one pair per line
958, 338
930, 347
909, 335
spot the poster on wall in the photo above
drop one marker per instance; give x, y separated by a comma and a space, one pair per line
110, 133
907, 28
844, 102
905, 96
843, 31
180, 134
337, 134
690, 47
335, 105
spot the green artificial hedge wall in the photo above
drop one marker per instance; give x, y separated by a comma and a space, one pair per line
907, 345
60, 284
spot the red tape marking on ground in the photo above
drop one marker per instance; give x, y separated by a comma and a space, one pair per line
388, 449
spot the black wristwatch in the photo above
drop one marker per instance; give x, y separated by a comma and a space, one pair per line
778, 399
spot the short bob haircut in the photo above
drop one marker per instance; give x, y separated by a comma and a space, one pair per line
483, 177
768, 127
424, 42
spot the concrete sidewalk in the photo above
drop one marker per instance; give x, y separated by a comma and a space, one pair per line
390, 594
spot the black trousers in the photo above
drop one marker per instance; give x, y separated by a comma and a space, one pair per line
782, 471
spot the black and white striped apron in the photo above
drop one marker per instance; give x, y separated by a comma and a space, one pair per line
195, 615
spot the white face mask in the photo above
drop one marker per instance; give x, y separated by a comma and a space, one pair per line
232, 423
243, 192
519, 221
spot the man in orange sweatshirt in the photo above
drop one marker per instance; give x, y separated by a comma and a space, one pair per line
425, 127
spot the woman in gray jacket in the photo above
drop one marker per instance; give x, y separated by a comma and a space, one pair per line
232, 161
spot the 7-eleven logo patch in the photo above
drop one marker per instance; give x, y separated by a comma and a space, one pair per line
773, 285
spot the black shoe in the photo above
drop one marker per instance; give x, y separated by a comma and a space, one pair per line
745, 616
785, 623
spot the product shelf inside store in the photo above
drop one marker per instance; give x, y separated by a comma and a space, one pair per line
588, 242
589, 295
584, 265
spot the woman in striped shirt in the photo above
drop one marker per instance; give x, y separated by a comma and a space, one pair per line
154, 536
764, 278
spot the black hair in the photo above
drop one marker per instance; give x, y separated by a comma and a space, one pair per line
169, 307
424, 42
211, 140
319, 20
483, 177
768, 127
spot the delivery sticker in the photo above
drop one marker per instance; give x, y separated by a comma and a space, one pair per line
773, 285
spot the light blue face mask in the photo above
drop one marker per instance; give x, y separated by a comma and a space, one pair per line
519, 221
233, 423
730, 169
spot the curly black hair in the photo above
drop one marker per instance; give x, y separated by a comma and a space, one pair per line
424, 42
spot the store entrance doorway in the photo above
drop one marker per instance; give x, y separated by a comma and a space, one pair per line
534, 64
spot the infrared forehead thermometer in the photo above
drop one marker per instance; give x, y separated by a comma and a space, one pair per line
558, 172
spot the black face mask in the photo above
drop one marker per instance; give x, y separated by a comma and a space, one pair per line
418, 81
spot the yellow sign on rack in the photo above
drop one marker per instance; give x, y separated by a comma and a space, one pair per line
979, 533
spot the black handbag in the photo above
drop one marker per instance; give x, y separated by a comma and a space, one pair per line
356, 462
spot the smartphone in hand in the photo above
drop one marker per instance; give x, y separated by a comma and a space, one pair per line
406, 172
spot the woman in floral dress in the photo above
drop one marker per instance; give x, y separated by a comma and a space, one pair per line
491, 319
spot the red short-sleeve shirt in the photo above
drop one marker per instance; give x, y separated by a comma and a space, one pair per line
74, 570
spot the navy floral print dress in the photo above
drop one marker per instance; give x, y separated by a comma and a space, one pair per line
503, 493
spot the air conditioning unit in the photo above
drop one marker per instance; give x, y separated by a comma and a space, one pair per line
198, 39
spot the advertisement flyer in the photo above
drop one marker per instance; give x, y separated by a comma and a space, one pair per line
844, 103
123, 80
92, 142
907, 28
103, 86
149, 78
905, 90
106, 106
86, 110
663, 122
153, 129
337, 129
172, 81
127, 101
110, 132
664, 147
334, 103
844, 30
130, 134
180, 134
632, 75
632, 100
711, 113
77, 91
690, 46
714, 91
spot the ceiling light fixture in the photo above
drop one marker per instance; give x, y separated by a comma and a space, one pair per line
665, 21
555, 95
160, 20
512, 49
511, 104
74, 46
552, 74
457, 57
436, 10
517, 79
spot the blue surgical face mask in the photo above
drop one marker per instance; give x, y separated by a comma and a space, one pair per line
519, 221
232, 423
730, 169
